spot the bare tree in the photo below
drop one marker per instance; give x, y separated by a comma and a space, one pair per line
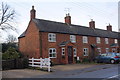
6, 17
11, 39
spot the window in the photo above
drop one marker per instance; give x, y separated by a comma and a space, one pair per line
63, 51
107, 50
85, 51
109, 54
114, 50
52, 53
99, 50
106, 41
115, 41
52, 37
85, 39
98, 39
74, 52
73, 38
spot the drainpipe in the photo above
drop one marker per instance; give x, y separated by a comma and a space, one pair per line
40, 39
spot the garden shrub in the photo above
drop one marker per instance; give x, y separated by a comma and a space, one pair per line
11, 53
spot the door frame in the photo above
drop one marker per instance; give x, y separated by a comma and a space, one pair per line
70, 54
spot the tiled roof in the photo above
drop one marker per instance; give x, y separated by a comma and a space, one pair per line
58, 27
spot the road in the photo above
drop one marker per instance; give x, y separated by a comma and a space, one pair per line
97, 72
104, 72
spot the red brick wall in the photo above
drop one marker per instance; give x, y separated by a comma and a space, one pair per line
22, 44
29, 45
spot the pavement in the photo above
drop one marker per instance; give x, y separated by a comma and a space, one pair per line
71, 67
57, 71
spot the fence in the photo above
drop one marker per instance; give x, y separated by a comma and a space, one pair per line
15, 63
40, 63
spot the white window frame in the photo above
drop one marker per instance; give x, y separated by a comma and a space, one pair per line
114, 50
73, 38
51, 37
106, 41
107, 50
85, 39
98, 40
74, 52
99, 50
63, 51
85, 50
115, 41
52, 53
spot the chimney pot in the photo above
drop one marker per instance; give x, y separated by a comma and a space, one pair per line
32, 7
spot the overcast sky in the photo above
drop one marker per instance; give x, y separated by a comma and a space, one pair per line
81, 11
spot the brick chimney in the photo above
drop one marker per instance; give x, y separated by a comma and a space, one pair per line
68, 19
32, 13
92, 24
109, 27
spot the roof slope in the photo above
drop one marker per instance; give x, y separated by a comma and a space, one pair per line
57, 27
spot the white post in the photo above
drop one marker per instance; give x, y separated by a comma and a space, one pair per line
41, 62
32, 61
78, 58
48, 64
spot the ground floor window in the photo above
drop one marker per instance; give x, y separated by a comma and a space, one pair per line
74, 52
114, 50
85, 51
107, 50
99, 50
52, 53
63, 51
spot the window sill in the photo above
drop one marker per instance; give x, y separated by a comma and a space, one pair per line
53, 57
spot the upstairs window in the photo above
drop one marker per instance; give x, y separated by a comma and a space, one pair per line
85, 39
98, 39
73, 38
106, 41
115, 41
52, 37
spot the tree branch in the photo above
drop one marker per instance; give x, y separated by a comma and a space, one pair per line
7, 15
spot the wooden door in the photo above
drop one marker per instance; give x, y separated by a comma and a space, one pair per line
70, 54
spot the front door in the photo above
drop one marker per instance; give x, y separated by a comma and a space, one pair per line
70, 54
92, 53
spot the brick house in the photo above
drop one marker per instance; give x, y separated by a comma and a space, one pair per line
65, 42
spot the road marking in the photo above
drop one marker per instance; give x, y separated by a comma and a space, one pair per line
112, 77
